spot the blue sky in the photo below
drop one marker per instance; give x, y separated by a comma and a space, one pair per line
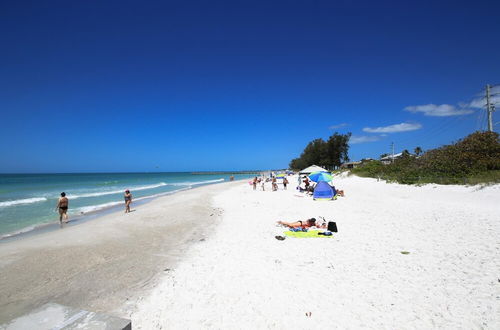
235, 85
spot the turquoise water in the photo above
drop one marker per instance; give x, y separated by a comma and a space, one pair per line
28, 201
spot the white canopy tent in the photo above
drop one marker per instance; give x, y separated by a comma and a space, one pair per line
311, 169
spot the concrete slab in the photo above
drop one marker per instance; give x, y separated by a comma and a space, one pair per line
58, 317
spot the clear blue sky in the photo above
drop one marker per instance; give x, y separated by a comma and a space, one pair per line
234, 85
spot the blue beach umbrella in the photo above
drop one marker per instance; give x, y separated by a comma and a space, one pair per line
320, 176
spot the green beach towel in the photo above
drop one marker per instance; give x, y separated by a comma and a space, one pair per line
305, 234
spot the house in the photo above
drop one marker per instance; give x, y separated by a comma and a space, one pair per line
351, 164
390, 158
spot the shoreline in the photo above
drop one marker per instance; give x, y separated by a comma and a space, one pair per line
78, 266
77, 219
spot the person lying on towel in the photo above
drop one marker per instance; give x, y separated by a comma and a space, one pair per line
304, 224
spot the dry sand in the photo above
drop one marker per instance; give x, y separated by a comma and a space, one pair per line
207, 258
243, 278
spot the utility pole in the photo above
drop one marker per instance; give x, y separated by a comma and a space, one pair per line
489, 109
392, 145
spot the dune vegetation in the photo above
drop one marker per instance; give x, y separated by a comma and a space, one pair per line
471, 160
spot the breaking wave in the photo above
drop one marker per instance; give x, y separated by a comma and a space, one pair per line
23, 201
196, 182
112, 192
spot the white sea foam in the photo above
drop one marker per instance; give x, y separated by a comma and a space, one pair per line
23, 201
195, 183
98, 207
18, 232
161, 184
112, 192
91, 208
163, 194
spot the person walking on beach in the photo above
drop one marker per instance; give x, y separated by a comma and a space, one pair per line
128, 200
285, 182
254, 183
62, 207
274, 184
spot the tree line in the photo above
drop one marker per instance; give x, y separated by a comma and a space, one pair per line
328, 154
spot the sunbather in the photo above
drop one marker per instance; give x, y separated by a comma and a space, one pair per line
304, 224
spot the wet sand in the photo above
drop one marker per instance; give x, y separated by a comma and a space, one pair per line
106, 264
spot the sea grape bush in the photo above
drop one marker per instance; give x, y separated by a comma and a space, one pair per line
477, 155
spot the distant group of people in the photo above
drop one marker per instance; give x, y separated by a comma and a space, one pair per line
274, 183
305, 184
63, 205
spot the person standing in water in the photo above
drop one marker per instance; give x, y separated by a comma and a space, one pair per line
62, 207
128, 200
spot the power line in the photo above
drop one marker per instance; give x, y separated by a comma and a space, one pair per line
434, 131
479, 120
483, 119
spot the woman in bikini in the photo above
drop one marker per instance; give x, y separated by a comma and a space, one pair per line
62, 207
128, 200
304, 224
285, 182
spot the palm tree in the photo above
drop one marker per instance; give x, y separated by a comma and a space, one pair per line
418, 151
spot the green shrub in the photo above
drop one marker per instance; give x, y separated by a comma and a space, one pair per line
474, 159
369, 169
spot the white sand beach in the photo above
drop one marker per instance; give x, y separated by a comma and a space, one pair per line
243, 278
208, 259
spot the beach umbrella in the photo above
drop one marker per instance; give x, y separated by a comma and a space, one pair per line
320, 176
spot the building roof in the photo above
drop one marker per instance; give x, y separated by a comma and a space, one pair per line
311, 169
389, 157
352, 163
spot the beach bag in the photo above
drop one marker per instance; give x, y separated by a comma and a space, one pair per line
332, 226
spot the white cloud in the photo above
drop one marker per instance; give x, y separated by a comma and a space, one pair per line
442, 110
463, 108
338, 126
480, 100
355, 139
396, 128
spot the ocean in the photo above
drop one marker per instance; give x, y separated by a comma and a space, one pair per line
27, 201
